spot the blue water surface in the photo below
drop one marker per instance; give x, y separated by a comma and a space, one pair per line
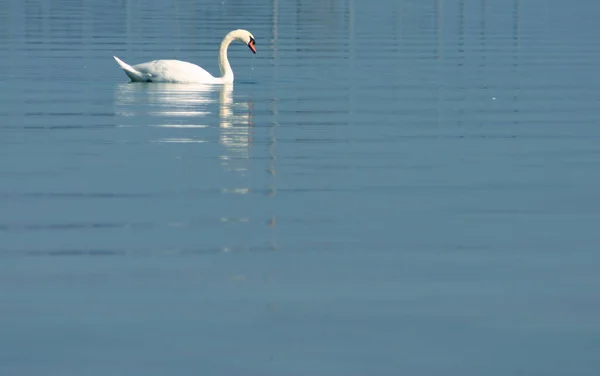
390, 188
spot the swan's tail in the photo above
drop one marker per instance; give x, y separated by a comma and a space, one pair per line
134, 75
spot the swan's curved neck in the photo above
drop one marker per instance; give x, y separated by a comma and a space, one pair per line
226, 72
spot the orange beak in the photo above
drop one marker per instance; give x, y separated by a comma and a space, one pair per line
251, 45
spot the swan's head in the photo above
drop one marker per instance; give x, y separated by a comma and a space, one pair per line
245, 37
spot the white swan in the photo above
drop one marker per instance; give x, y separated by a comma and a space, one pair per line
176, 71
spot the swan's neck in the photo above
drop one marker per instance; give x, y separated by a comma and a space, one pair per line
226, 72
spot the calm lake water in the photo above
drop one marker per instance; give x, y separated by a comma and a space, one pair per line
389, 188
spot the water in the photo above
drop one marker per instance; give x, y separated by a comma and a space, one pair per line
399, 187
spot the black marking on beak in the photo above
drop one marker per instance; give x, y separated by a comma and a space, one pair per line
251, 45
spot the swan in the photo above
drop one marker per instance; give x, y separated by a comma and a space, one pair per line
176, 71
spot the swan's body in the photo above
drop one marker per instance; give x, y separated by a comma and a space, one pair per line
177, 71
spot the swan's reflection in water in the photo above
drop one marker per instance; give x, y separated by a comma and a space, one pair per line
164, 100
173, 114
236, 131
192, 106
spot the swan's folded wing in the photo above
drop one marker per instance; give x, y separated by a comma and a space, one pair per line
174, 71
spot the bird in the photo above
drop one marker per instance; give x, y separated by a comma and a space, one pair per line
177, 71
